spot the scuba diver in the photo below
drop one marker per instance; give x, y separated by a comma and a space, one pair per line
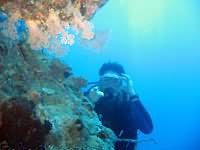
118, 106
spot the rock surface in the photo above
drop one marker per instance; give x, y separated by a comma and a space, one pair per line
49, 111
27, 75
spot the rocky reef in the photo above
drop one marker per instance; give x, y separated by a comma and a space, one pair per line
41, 106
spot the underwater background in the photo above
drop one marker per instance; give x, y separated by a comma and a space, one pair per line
158, 43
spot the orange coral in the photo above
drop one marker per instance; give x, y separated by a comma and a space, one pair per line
37, 38
47, 19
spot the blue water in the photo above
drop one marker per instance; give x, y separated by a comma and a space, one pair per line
158, 43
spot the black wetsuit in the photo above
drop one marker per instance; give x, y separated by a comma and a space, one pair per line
124, 117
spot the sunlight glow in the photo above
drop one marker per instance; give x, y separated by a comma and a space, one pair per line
160, 18
144, 15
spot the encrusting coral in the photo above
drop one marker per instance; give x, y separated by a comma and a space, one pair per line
19, 128
41, 106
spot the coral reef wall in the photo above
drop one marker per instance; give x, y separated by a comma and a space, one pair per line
41, 106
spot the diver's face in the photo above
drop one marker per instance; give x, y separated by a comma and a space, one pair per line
111, 81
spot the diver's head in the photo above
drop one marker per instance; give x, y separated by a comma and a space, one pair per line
113, 67
111, 77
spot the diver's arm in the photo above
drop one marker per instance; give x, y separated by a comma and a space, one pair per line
141, 116
138, 112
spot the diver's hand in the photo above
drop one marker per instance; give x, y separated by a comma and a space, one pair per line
95, 94
130, 87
